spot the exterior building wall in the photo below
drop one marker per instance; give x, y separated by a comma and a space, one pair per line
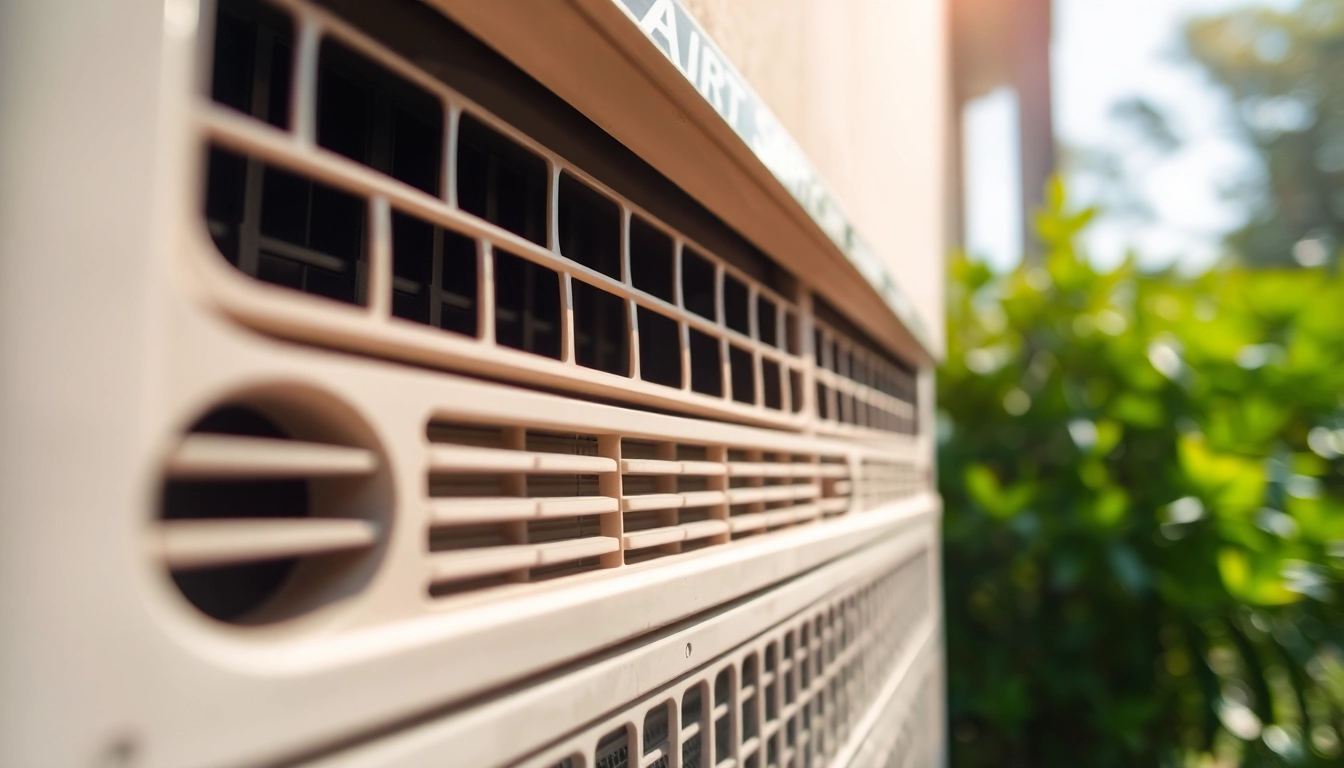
862, 86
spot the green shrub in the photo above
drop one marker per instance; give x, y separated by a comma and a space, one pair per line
1144, 523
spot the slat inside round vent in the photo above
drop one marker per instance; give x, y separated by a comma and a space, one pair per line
242, 513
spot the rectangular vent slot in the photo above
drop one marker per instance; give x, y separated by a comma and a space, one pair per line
791, 697
421, 206
433, 275
287, 229
377, 118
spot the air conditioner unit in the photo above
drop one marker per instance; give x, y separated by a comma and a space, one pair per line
444, 384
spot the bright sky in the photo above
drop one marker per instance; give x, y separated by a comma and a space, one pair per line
1106, 52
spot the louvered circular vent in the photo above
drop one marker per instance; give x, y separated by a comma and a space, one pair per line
271, 510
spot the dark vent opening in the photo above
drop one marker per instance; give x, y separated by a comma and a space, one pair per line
723, 745
600, 337
253, 56
527, 305
229, 593
562, 570
692, 452
736, 309
767, 323
743, 374
796, 398
706, 365
565, 528
771, 385
792, 338
378, 118
638, 449
590, 227
697, 284
656, 727
569, 443
613, 751
287, 230
692, 706
471, 536
690, 752
500, 181
652, 266
659, 349
466, 586
433, 275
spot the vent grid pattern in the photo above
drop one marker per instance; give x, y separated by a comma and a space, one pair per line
883, 482
340, 170
512, 504
788, 699
858, 387
906, 732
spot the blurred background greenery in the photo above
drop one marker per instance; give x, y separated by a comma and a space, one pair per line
1144, 512
1141, 463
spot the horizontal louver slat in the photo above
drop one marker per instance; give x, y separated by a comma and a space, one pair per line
203, 455
772, 493
446, 511
468, 459
661, 467
204, 543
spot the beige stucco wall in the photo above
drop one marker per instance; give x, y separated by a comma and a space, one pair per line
861, 85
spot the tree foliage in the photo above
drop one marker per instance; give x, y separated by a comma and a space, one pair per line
1285, 72
1144, 523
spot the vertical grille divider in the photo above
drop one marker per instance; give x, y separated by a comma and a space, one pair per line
515, 484
485, 291
379, 279
304, 93
568, 353
719, 454
668, 484
610, 484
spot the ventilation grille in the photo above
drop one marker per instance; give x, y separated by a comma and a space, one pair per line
790, 698
432, 231
512, 504
858, 386
907, 733
509, 504
888, 481
248, 512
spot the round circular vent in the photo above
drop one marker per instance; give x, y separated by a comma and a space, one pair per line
271, 507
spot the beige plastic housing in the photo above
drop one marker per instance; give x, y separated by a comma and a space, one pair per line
507, 560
